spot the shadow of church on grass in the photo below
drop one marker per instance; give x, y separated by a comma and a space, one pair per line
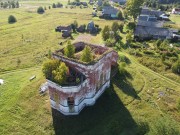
108, 116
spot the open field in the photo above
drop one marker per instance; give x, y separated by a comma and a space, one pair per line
132, 105
33, 35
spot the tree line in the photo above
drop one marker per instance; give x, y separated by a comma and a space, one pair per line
9, 4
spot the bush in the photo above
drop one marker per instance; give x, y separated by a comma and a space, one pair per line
99, 8
110, 42
131, 25
55, 70
121, 26
129, 37
148, 52
11, 19
48, 67
54, 5
173, 59
158, 43
123, 58
40, 10
121, 68
164, 126
59, 5
168, 64
176, 67
115, 27
60, 73
135, 45
120, 15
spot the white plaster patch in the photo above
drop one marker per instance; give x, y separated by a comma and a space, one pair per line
1, 81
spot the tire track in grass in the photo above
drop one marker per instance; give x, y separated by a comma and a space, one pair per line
20, 70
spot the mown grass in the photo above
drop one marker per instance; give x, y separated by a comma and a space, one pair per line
130, 106
23, 110
33, 35
176, 21
120, 110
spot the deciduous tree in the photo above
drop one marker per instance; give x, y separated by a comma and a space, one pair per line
133, 7
49, 66
60, 73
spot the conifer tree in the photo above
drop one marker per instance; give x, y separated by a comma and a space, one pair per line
115, 27
60, 74
106, 33
87, 55
69, 50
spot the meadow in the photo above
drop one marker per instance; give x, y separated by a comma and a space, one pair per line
134, 104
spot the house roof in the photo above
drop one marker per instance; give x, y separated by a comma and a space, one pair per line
146, 11
150, 23
64, 28
143, 17
146, 31
147, 18
99, 2
119, 1
84, 3
152, 19
109, 10
91, 1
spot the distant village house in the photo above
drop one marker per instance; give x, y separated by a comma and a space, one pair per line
66, 30
109, 12
176, 11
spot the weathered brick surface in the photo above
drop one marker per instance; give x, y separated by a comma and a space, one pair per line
96, 74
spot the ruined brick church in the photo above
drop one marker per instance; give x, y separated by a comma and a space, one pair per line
87, 81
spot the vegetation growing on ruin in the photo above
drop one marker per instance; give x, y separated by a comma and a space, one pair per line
142, 100
55, 70
87, 54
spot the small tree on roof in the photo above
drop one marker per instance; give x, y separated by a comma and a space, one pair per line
49, 66
87, 54
60, 74
69, 50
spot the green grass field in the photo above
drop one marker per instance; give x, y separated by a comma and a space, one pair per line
130, 106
